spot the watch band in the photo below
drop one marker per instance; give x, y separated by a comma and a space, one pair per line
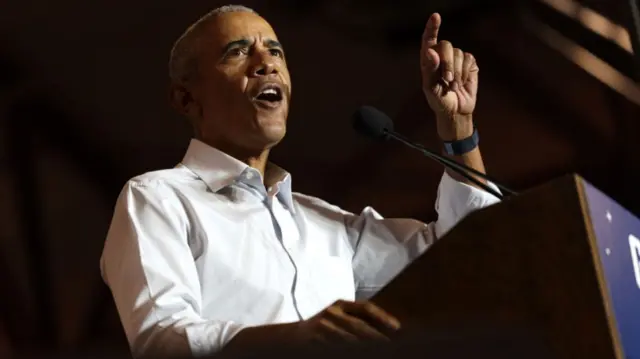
460, 147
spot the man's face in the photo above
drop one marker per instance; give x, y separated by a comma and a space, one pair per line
243, 89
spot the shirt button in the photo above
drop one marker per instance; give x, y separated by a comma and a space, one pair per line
249, 175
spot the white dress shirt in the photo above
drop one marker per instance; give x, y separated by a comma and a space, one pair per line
196, 253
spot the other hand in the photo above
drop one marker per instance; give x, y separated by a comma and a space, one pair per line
345, 321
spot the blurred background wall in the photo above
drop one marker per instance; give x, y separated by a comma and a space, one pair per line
83, 88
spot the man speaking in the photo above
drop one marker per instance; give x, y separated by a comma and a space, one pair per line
219, 252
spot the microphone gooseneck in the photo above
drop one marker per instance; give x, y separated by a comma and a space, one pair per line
374, 123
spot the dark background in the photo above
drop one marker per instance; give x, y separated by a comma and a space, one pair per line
83, 88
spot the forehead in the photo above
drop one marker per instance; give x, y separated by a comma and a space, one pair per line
239, 25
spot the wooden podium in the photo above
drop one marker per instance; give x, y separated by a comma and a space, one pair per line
560, 262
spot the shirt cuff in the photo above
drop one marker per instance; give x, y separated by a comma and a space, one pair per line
456, 200
210, 337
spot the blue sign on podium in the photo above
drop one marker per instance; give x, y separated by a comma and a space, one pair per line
617, 233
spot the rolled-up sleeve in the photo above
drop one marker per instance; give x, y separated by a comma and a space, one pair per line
383, 247
149, 267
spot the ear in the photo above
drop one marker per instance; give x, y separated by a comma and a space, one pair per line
183, 100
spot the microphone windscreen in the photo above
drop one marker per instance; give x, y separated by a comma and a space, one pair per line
371, 122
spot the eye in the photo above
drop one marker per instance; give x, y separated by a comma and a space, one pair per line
276, 52
237, 51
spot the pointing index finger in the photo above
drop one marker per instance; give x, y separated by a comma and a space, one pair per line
430, 35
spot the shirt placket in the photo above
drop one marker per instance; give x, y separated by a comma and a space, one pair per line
285, 243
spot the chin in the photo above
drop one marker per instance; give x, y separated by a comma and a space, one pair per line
274, 134
272, 125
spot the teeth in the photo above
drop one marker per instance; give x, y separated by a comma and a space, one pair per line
269, 92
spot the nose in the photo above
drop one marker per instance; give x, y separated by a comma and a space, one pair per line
263, 66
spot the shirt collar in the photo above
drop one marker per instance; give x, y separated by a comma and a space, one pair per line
219, 170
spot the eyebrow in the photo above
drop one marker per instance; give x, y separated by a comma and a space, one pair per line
272, 44
269, 43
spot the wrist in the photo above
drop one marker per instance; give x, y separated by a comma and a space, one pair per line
455, 128
463, 146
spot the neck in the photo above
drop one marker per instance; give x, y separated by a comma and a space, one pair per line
258, 161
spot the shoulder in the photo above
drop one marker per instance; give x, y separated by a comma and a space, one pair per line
161, 178
160, 184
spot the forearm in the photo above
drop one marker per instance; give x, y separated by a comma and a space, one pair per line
458, 129
471, 159
264, 337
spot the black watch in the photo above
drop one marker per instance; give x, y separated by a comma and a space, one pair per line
460, 147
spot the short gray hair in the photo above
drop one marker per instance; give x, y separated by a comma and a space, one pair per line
183, 62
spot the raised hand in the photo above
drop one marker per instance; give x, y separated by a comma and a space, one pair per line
449, 82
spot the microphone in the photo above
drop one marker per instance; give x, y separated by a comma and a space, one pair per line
374, 123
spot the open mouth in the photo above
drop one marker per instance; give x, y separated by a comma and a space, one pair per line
270, 94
